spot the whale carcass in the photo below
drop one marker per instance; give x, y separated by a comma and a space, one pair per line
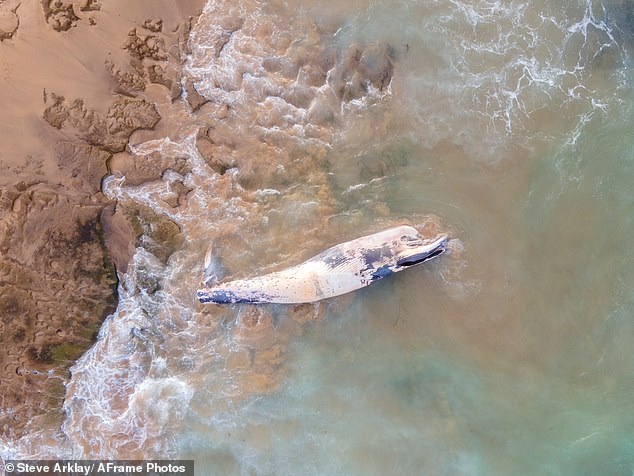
338, 270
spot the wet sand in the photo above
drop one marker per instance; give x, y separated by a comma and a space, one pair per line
78, 79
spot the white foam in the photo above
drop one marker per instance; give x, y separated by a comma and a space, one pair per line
515, 61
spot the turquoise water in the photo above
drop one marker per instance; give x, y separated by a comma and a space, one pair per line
512, 359
507, 125
511, 122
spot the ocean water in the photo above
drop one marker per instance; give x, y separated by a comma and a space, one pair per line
506, 124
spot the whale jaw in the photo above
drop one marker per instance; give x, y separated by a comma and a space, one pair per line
420, 253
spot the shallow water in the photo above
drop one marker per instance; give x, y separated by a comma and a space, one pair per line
507, 124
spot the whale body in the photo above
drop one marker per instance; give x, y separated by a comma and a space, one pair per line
338, 270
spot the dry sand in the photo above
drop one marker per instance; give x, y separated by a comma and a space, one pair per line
77, 78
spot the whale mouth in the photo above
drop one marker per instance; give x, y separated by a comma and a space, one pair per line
436, 249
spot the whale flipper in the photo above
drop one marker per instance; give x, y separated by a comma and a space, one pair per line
213, 270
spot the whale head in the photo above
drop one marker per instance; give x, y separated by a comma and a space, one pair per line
411, 249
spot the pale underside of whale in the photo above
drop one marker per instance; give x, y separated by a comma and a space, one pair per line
338, 270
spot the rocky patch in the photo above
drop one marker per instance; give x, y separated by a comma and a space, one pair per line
112, 132
360, 68
60, 15
9, 20
62, 245
53, 258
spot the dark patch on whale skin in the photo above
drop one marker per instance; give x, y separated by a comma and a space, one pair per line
332, 258
382, 272
222, 296
372, 256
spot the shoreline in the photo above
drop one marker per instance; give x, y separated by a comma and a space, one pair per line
79, 78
